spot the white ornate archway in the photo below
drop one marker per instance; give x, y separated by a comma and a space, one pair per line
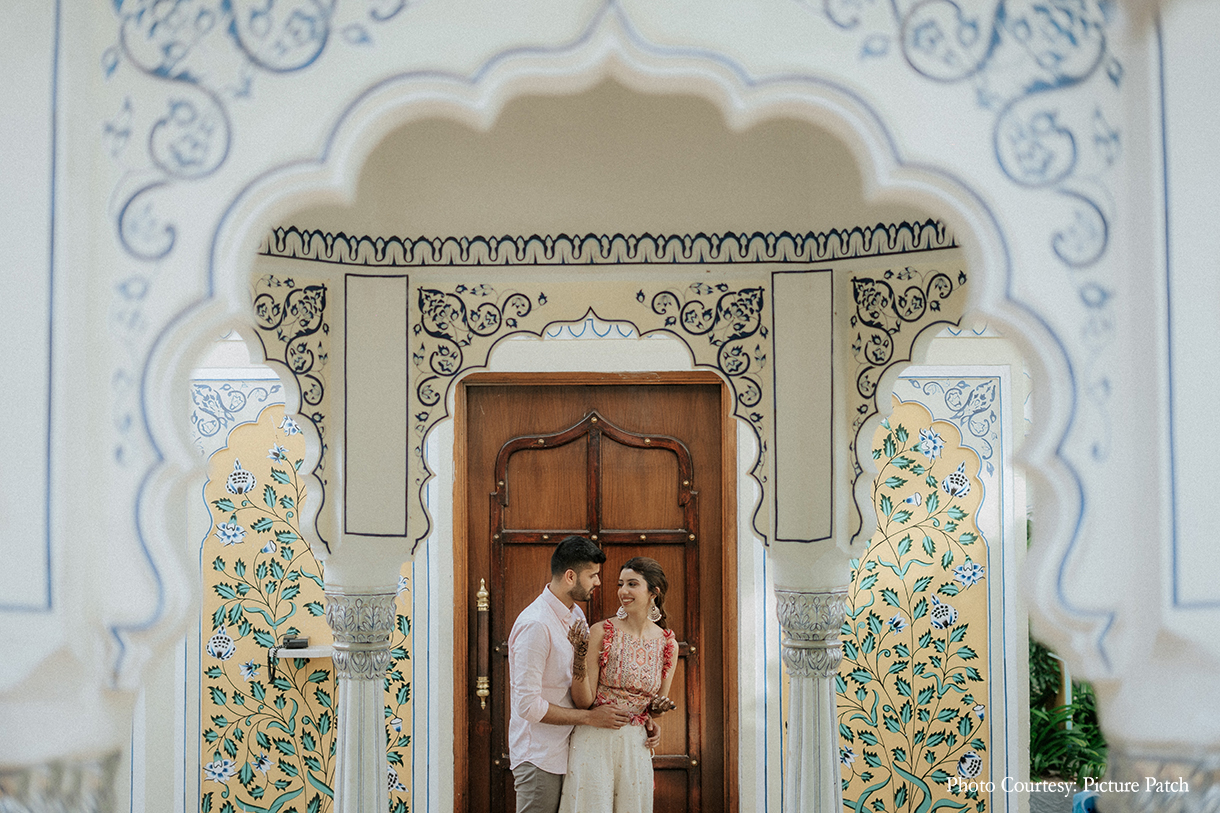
1034, 214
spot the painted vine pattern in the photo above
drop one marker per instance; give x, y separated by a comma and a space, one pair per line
912, 687
270, 743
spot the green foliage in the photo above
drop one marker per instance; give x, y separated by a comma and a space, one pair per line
1044, 675
1054, 749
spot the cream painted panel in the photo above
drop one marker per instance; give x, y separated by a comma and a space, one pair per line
375, 458
803, 310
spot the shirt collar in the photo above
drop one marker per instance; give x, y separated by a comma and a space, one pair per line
560, 609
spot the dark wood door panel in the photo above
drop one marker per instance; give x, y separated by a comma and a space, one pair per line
639, 488
546, 489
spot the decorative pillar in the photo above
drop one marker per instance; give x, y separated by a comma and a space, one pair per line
812, 653
84, 786
361, 623
1143, 780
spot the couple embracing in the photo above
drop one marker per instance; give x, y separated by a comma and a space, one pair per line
583, 700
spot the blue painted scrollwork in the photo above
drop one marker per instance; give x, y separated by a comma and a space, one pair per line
281, 35
292, 326
207, 53
969, 405
728, 322
1024, 59
448, 323
218, 408
883, 306
942, 42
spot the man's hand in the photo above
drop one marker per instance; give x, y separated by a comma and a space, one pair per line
654, 734
607, 717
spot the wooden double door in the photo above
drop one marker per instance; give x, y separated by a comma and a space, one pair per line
638, 467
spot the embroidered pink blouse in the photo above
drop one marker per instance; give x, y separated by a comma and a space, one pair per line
632, 669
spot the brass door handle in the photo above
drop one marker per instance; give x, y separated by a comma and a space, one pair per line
482, 683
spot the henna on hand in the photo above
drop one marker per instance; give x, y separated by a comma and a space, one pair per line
578, 636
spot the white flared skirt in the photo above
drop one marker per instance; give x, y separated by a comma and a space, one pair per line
609, 771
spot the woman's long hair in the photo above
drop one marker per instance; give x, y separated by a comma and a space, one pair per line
654, 576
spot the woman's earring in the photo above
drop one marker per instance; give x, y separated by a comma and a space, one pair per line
621, 612
654, 612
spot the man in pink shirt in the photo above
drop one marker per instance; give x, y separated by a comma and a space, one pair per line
540, 678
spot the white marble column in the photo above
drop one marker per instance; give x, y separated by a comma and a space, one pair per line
66, 786
361, 624
812, 652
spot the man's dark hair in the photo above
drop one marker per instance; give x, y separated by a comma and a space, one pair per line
575, 553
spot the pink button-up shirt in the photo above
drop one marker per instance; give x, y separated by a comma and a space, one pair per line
539, 675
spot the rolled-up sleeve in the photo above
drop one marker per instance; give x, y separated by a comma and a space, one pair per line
527, 658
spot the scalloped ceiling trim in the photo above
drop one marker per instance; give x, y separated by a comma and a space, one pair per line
593, 249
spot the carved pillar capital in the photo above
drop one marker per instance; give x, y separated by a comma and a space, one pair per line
811, 623
85, 786
1163, 782
361, 624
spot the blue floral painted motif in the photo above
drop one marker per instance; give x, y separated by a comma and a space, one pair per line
220, 770
240, 481
968, 574
956, 483
930, 444
230, 533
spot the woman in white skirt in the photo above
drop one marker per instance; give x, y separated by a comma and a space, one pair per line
630, 660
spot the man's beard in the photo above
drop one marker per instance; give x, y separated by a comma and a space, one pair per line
581, 594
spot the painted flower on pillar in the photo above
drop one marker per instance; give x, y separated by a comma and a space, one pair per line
956, 483
220, 645
220, 770
930, 444
970, 765
230, 533
968, 574
942, 615
397, 688
912, 676
240, 481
